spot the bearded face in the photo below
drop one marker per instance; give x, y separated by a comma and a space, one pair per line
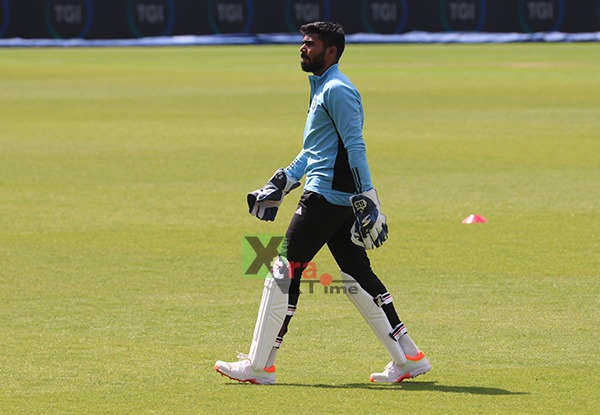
311, 61
313, 54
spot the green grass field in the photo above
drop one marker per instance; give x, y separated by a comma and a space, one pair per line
123, 175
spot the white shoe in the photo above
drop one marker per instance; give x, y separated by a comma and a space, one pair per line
242, 371
393, 373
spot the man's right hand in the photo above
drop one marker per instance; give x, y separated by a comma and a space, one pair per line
264, 202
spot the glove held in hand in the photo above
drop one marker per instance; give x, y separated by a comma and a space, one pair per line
370, 229
264, 202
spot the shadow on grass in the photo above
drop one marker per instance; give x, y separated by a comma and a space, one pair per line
412, 386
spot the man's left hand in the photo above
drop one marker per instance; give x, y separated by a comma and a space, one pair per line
370, 229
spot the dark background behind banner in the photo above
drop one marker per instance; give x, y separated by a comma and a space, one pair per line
120, 19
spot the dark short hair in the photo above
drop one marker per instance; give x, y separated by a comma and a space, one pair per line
332, 34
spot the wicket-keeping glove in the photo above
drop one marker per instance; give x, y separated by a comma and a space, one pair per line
370, 229
264, 202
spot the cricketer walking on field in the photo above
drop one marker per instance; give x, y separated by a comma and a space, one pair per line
339, 207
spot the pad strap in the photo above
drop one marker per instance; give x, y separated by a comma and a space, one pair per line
383, 299
398, 331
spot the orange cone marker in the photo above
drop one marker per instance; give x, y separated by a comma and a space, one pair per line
474, 219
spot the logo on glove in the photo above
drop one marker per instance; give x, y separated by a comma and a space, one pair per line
360, 205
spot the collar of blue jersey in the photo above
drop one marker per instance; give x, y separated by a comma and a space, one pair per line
317, 79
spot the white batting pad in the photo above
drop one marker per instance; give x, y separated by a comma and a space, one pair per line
272, 312
374, 316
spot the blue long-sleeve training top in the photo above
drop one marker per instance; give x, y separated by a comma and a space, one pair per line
333, 155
